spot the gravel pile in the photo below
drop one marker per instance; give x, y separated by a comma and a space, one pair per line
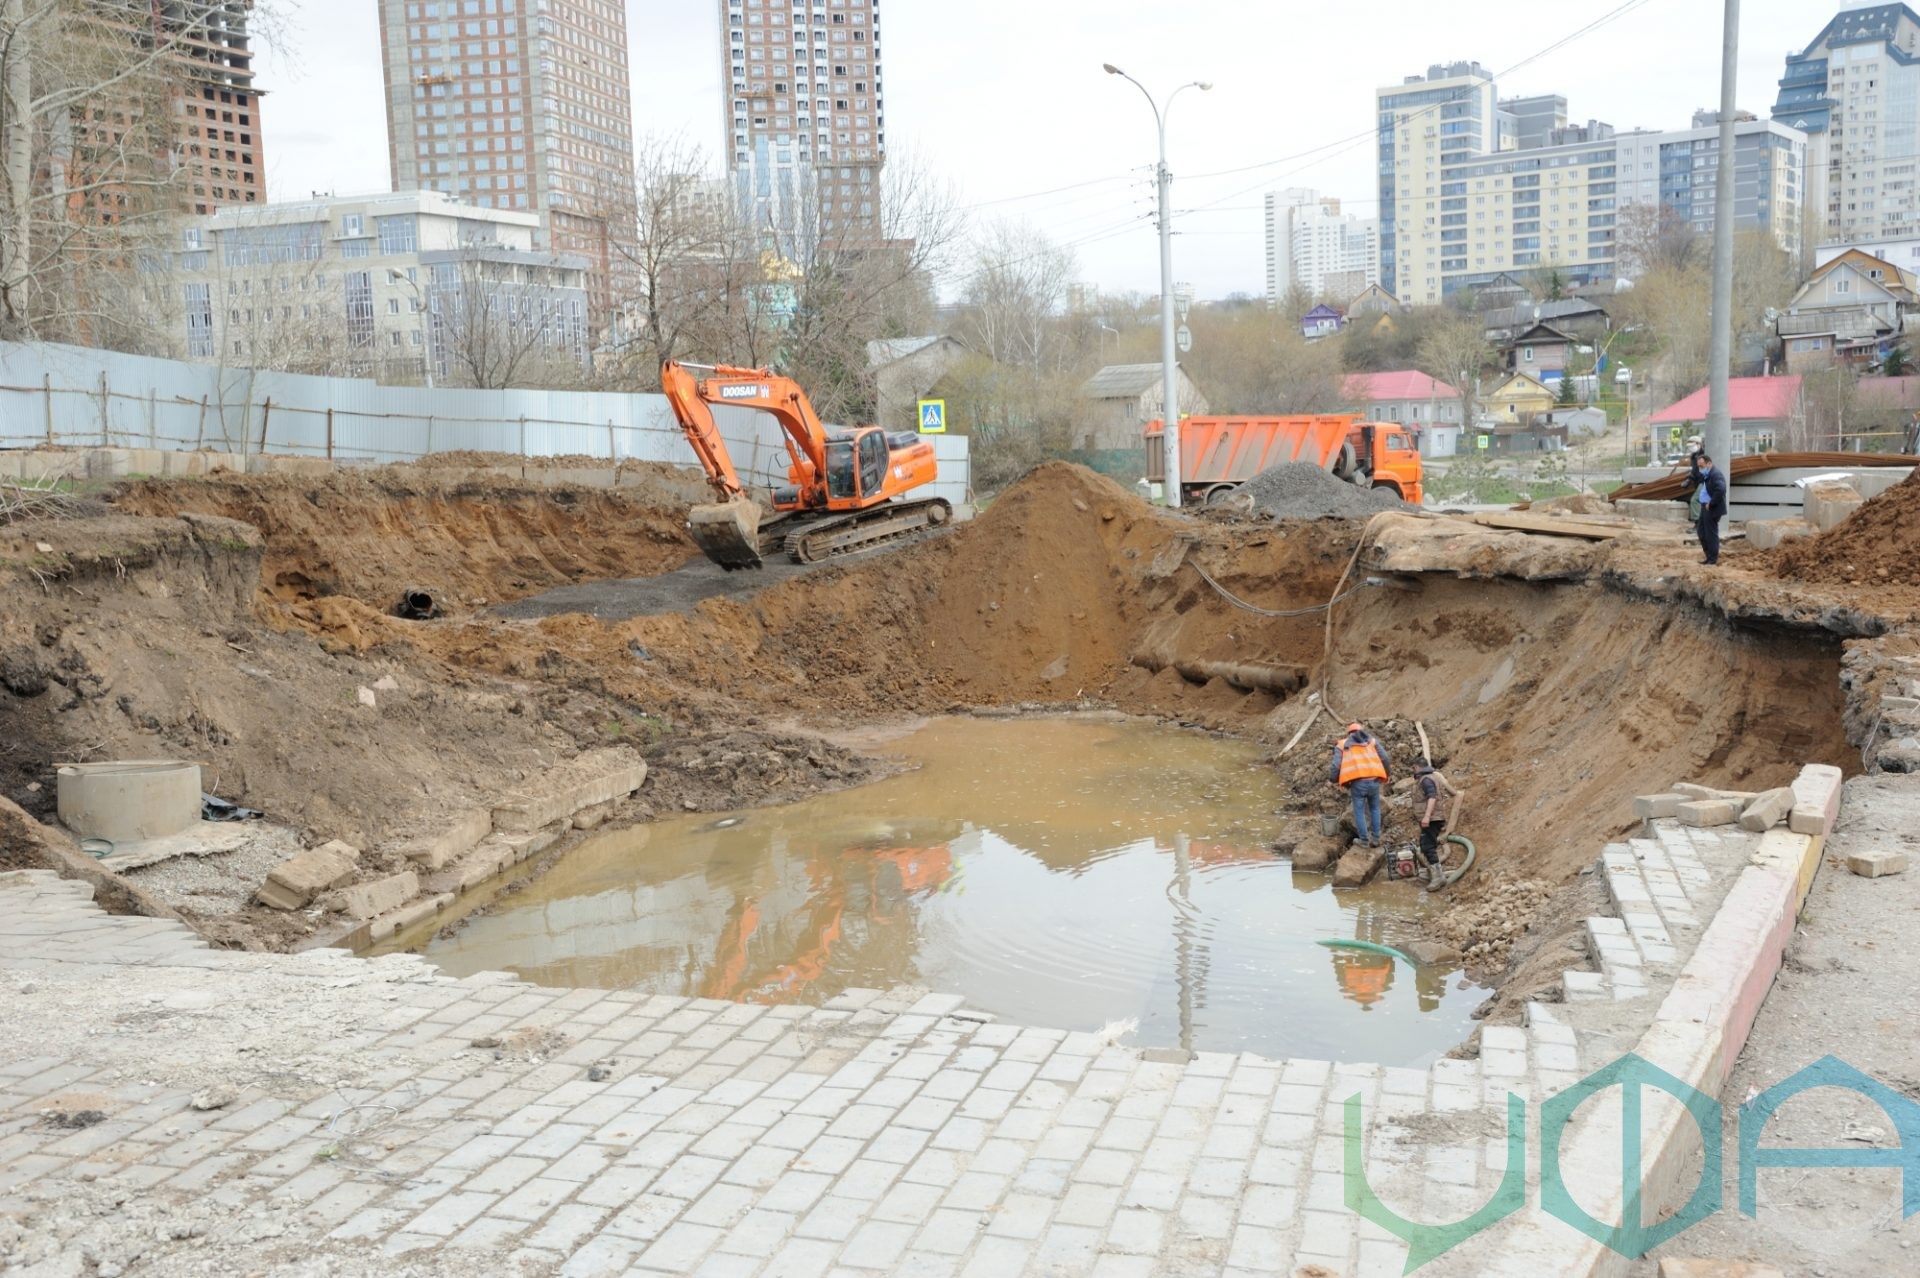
1300, 490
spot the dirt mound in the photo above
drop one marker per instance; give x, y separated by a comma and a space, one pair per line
369, 535
1571, 504
1300, 490
1878, 543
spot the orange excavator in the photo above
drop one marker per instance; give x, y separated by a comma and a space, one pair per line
845, 485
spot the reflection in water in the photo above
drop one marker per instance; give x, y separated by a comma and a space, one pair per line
1063, 872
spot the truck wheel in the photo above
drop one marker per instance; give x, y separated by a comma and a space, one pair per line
1349, 464
1219, 494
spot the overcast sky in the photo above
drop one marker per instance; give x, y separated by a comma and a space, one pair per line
1005, 98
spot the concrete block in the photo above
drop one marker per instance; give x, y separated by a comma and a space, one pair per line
1827, 505
600, 777
299, 879
1704, 812
176, 465
521, 847
365, 901
461, 835
11, 463
1717, 1269
1653, 512
232, 462
1315, 854
408, 915
592, 818
146, 461
1688, 790
1816, 799
1767, 810
1765, 534
105, 463
1358, 867
1873, 865
1650, 807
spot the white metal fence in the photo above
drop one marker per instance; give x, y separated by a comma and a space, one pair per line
72, 396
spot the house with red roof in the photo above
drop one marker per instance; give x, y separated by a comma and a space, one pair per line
1431, 407
1768, 413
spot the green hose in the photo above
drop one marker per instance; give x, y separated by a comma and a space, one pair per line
1370, 947
1461, 873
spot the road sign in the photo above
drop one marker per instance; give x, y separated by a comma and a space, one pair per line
1184, 339
1482, 442
933, 417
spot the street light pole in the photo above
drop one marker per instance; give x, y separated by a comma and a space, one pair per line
1719, 430
1169, 359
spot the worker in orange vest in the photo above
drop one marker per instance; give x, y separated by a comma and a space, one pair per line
1360, 766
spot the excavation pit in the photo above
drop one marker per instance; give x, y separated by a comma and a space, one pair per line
1074, 872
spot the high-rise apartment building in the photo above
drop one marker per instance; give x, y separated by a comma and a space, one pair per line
1313, 246
805, 112
1679, 169
517, 104
1855, 91
180, 122
1473, 186
221, 152
1425, 124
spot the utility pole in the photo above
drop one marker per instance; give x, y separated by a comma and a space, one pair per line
1169, 358
1718, 439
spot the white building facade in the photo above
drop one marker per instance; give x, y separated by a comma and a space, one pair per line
1312, 245
372, 285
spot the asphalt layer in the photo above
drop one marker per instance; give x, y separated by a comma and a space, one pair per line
681, 590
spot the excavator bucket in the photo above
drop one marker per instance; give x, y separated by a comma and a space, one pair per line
728, 532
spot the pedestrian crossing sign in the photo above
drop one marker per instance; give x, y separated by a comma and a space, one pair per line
933, 417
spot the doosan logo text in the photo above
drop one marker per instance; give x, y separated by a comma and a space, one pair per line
743, 392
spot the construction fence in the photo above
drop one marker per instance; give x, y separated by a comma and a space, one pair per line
70, 396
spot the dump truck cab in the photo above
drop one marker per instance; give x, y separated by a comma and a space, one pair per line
1389, 456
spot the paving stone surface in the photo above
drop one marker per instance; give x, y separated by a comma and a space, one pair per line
379, 1116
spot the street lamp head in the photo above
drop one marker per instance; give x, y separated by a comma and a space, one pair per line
1205, 86
1111, 69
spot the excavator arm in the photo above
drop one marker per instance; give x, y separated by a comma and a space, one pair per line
692, 400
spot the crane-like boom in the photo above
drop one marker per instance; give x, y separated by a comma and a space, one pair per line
844, 485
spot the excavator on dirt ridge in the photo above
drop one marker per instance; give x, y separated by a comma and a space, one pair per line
845, 485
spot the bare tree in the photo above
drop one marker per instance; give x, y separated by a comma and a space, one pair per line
845, 269
1015, 295
1654, 237
1454, 350
502, 318
683, 255
1252, 360
89, 152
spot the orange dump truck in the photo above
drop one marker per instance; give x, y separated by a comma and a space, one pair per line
1218, 454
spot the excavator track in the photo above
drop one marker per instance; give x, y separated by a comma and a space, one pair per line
866, 529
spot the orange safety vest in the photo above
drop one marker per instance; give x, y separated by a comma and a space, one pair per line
1360, 761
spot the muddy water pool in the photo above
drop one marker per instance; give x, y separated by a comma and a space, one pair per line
1066, 872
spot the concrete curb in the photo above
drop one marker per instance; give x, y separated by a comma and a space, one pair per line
1696, 1035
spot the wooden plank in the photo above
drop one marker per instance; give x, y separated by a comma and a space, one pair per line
1552, 527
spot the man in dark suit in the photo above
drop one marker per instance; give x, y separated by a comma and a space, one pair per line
1713, 507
